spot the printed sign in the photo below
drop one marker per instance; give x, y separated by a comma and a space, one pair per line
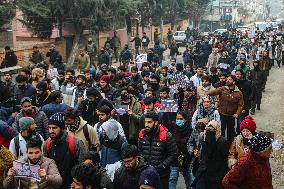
169, 105
121, 109
26, 170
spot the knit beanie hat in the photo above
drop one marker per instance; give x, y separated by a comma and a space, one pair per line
248, 123
25, 123
149, 176
105, 78
57, 119
259, 143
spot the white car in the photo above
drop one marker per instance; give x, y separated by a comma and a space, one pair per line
180, 37
220, 31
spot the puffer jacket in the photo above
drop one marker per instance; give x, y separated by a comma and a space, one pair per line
159, 149
54, 179
124, 179
250, 172
236, 150
53, 108
41, 122
230, 103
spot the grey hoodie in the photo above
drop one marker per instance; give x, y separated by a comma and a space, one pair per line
111, 128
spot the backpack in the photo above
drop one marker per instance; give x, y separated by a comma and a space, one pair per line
87, 136
71, 144
17, 145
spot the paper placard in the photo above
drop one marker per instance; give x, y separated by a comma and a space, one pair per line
26, 170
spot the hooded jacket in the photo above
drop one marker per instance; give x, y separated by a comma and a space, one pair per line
124, 179
54, 179
29, 91
41, 122
94, 139
111, 148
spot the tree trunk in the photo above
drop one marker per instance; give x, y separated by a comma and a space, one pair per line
128, 28
76, 44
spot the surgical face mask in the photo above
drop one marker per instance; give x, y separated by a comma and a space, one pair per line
180, 123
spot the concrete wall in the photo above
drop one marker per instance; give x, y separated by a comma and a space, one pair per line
23, 54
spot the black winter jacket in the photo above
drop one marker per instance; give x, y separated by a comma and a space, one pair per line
124, 179
158, 148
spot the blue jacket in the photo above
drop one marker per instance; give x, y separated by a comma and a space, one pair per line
111, 151
6, 131
29, 91
52, 56
53, 107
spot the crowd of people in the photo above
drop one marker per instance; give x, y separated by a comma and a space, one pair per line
100, 126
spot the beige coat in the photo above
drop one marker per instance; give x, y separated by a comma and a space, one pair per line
79, 134
53, 180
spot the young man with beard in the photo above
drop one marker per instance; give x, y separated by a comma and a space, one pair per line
222, 80
245, 87
43, 95
63, 148
48, 172
135, 76
68, 86
154, 84
257, 77
230, 106
127, 176
27, 110
203, 89
144, 84
104, 114
88, 108
79, 92
81, 129
57, 82
9, 84
196, 79
151, 104
243, 66
130, 120
156, 144
56, 104
106, 88
27, 74
23, 89
164, 93
52, 54
27, 131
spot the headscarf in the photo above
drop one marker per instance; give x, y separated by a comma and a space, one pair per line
206, 113
216, 126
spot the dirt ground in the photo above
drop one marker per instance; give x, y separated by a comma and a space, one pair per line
271, 118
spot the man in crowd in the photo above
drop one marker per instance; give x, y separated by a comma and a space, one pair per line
131, 169
159, 156
43, 95
27, 110
81, 129
63, 148
48, 172
37, 56
23, 89
52, 54
230, 106
10, 58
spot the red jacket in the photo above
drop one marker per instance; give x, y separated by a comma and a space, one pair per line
250, 172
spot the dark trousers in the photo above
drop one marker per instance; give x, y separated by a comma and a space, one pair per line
257, 99
228, 122
164, 182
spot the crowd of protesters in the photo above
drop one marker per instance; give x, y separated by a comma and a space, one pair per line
72, 123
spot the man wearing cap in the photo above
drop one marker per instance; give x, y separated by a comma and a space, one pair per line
27, 110
83, 61
91, 49
52, 54
27, 131
106, 88
149, 179
43, 95
63, 148
253, 170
